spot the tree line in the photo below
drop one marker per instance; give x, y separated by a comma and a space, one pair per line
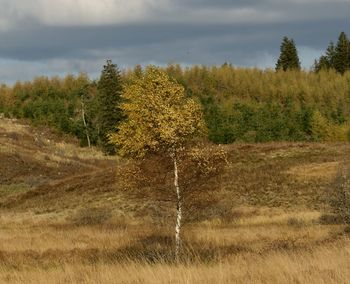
239, 104
336, 57
75, 105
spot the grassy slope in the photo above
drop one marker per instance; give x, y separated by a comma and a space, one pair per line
262, 223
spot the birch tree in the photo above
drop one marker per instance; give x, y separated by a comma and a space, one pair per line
84, 120
160, 120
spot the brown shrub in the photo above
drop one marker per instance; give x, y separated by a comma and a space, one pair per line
91, 216
295, 222
340, 195
200, 170
330, 219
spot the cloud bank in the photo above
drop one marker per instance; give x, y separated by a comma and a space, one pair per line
44, 37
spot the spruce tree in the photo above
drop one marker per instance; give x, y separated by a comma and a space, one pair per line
342, 54
110, 114
289, 59
321, 64
330, 54
326, 61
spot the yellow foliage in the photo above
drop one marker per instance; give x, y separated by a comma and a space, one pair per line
159, 116
325, 90
323, 130
6, 98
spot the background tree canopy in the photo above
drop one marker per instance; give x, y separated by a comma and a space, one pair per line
337, 56
239, 104
289, 59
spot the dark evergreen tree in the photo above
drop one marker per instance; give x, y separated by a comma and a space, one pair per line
321, 64
326, 61
330, 54
342, 54
110, 115
289, 59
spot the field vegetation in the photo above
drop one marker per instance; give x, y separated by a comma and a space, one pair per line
67, 217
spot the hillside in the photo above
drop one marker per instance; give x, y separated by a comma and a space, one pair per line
65, 217
41, 171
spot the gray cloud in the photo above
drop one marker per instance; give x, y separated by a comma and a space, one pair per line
41, 37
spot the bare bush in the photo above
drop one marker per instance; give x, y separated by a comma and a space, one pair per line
340, 195
200, 168
91, 216
296, 222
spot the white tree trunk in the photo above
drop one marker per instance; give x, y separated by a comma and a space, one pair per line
84, 121
178, 211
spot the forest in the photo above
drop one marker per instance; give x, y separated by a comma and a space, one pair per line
239, 104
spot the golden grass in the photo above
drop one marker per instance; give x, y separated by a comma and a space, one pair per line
262, 225
326, 170
21, 138
261, 245
12, 125
47, 249
72, 151
281, 267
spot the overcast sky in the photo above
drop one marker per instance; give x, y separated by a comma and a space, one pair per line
56, 37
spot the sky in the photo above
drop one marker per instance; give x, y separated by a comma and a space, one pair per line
57, 37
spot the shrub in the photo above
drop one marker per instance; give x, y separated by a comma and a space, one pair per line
295, 222
340, 195
330, 219
91, 216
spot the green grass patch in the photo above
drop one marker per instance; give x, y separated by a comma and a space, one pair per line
11, 189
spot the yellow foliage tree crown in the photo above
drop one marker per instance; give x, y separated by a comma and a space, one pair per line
159, 116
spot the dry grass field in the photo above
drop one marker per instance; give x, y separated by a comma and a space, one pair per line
64, 218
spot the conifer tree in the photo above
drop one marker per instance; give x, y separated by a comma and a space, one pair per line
289, 59
342, 54
330, 54
326, 61
110, 88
